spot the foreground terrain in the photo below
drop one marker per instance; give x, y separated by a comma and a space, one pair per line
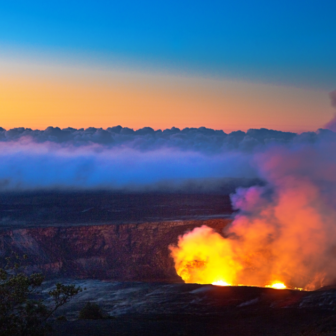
191, 309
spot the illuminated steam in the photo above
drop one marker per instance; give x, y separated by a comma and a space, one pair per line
284, 232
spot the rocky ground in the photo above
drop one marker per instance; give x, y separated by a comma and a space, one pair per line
190, 309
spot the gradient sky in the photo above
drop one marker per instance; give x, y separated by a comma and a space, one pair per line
221, 64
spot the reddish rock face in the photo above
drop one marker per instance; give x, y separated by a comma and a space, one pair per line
118, 252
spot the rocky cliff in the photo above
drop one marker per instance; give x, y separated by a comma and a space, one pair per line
117, 252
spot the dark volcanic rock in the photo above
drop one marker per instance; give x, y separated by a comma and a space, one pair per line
191, 309
119, 252
50, 208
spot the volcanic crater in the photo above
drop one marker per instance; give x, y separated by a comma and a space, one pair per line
116, 246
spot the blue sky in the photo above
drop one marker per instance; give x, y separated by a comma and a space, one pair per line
291, 42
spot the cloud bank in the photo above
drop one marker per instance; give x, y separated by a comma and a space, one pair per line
201, 139
120, 158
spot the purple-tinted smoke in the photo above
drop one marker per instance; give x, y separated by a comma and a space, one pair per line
283, 231
294, 216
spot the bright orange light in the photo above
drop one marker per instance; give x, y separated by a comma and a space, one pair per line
277, 285
280, 241
220, 283
204, 257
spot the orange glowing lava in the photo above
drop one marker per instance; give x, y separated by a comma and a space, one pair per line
277, 285
220, 283
203, 256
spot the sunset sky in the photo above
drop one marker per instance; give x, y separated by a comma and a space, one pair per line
220, 64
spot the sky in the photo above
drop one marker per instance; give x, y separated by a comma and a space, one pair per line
219, 64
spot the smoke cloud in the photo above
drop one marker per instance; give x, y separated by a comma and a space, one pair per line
284, 231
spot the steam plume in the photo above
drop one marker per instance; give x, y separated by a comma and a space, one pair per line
284, 231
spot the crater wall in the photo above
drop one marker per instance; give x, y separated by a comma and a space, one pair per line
127, 252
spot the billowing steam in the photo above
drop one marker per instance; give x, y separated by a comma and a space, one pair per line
283, 233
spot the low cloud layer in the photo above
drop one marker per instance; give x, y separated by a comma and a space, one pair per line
201, 140
120, 158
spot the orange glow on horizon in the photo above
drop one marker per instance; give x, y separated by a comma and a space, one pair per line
276, 285
220, 283
41, 101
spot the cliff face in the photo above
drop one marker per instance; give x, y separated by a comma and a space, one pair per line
116, 252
